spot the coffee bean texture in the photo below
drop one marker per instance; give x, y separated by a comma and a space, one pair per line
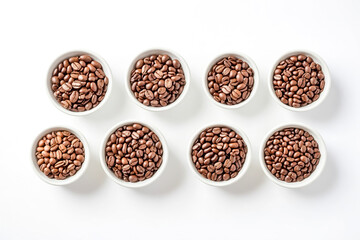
291, 154
60, 154
79, 83
157, 80
219, 153
298, 81
134, 153
230, 80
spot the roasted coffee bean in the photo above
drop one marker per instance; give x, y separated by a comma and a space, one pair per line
157, 80
219, 153
54, 151
291, 154
133, 152
230, 80
79, 83
298, 81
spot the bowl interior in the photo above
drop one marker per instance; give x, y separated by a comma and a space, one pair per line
173, 55
66, 55
121, 182
325, 70
239, 56
313, 175
69, 179
242, 170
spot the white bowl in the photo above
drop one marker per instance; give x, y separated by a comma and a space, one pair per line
314, 175
243, 170
139, 184
67, 55
68, 180
243, 57
324, 69
147, 53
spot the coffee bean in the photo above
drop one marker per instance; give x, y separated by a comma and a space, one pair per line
54, 151
85, 58
76, 85
157, 80
168, 83
226, 89
296, 79
66, 87
136, 150
133, 178
230, 80
211, 156
281, 160
176, 63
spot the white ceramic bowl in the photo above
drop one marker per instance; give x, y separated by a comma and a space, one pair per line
232, 180
256, 79
139, 184
173, 55
68, 180
67, 55
314, 175
324, 68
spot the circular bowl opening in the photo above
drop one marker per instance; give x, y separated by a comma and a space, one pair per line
242, 171
323, 94
243, 57
139, 184
68, 180
67, 55
171, 54
314, 175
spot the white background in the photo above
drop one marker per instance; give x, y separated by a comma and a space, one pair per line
178, 206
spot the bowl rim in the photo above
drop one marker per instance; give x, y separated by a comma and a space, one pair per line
110, 173
65, 55
173, 55
318, 60
314, 175
243, 57
68, 180
243, 170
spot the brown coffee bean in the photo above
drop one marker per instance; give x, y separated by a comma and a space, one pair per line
83, 81
76, 85
96, 64
226, 89
99, 73
168, 83
85, 58
74, 96
222, 96
230, 80
66, 87
160, 75
73, 59
227, 162
176, 63
76, 66
136, 150
281, 160
58, 145
133, 178
298, 75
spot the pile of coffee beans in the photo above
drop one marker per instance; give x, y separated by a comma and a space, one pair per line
133, 152
60, 154
219, 153
230, 80
157, 80
79, 83
291, 154
298, 81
